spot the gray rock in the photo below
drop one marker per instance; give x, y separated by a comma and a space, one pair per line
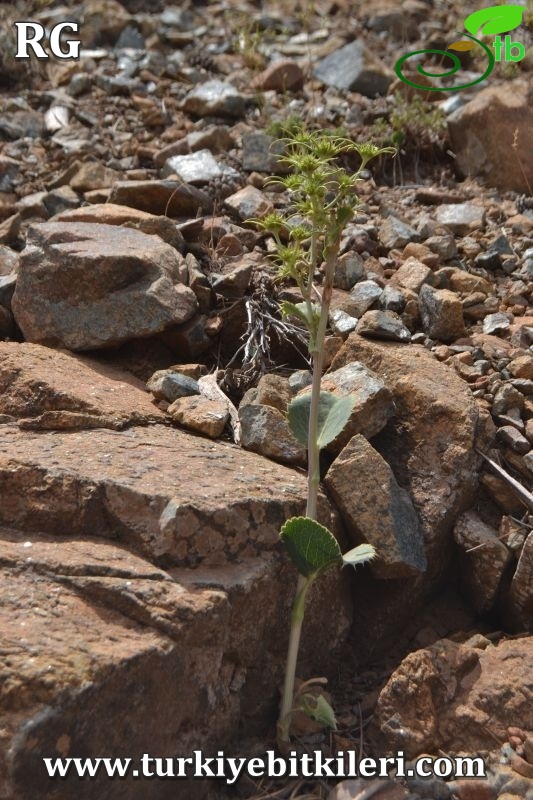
22, 124
353, 67
342, 323
496, 323
249, 203
373, 403
9, 260
392, 299
8, 173
383, 325
524, 385
265, 430
198, 168
190, 339
349, 268
461, 218
512, 438
379, 511
215, 138
116, 84
394, 233
441, 312
484, 559
506, 398
443, 245
61, 199
363, 295
83, 286
165, 384
490, 259
215, 98
299, 380
80, 83
235, 282
260, 153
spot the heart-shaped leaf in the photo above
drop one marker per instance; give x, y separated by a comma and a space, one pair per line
462, 45
496, 19
359, 555
333, 414
311, 547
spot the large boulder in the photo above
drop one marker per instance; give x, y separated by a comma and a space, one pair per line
490, 136
105, 654
85, 285
144, 594
430, 446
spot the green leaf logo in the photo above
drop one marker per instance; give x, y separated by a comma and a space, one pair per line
333, 414
311, 547
496, 19
463, 45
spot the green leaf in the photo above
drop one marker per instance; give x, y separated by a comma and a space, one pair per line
301, 312
311, 547
496, 19
298, 417
333, 414
332, 417
359, 555
318, 708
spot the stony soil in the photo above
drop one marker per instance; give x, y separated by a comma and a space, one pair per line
146, 464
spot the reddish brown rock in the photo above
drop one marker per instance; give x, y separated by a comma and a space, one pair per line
171, 495
169, 197
482, 134
430, 446
281, 76
85, 285
448, 695
521, 591
53, 389
114, 214
483, 560
103, 653
200, 414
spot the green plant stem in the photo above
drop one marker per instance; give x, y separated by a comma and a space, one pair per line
297, 618
313, 482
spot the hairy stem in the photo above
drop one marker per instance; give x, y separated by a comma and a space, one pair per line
313, 482
297, 618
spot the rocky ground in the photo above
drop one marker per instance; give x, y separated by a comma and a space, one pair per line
146, 464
